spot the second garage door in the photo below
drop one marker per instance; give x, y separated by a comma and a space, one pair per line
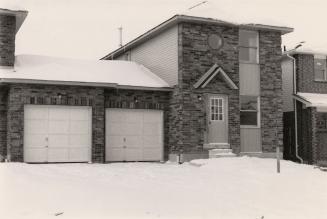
134, 135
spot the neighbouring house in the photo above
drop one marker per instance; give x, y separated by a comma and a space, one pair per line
305, 106
190, 86
226, 80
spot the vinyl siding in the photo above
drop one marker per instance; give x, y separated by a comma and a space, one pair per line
159, 54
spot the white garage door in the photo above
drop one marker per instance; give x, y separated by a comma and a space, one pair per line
134, 135
57, 133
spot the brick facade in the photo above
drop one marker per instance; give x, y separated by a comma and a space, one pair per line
7, 40
305, 75
188, 119
271, 90
11, 142
188, 105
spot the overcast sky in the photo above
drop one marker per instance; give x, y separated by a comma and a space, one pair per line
87, 29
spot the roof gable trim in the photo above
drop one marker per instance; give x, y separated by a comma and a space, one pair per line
210, 74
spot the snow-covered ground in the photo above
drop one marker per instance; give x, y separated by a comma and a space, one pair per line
239, 187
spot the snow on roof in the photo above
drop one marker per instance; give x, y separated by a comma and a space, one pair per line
310, 50
312, 99
43, 68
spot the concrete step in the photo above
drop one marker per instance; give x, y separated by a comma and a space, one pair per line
216, 153
216, 146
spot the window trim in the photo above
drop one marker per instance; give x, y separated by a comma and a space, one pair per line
258, 113
325, 69
222, 109
256, 47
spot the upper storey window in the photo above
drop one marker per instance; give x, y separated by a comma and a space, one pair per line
249, 46
320, 68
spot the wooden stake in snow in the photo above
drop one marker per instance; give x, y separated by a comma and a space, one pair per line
278, 159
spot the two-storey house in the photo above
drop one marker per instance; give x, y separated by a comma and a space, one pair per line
226, 82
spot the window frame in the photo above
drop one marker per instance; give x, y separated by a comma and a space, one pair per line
258, 111
218, 113
249, 47
316, 58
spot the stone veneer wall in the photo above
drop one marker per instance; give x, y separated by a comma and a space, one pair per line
7, 40
140, 99
188, 105
271, 98
21, 94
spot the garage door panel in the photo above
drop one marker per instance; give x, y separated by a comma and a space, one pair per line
36, 126
134, 141
152, 154
148, 141
115, 141
132, 129
35, 155
79, 154
79, 140
79, 114
116, 116
152, 117
133, 117
152, 129
35, 140
58, 154
58, 127
115, 128
39, 112
58, 140
133, 154
115, 154
58, 113
79, 127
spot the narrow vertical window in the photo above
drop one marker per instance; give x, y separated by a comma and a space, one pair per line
248, 46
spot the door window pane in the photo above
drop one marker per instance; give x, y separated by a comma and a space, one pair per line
216, 109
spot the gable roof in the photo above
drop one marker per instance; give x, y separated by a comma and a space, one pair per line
186, 18
215, 70
52, 70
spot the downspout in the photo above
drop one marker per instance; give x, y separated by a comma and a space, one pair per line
295, 109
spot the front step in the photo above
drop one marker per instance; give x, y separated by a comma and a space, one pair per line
216, 153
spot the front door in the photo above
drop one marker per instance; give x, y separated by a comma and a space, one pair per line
217, 119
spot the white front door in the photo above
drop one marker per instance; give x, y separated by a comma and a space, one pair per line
134, 135
217, 112
57, 133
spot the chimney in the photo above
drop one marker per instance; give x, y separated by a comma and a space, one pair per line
10, 22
